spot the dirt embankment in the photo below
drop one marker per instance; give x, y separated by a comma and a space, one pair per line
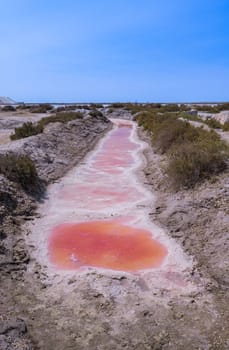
58, 149
198, 219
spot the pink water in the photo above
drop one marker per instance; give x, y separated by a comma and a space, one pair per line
105, 184
106, 244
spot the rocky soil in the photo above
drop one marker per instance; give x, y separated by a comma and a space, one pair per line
102, 310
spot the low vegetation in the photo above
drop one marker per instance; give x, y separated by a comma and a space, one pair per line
8, 109
61, 117
30, 129
189, 116
194, 154
95, 113
192, 162
155, 108
26, 130
23, 106
213, 123
171, 107
68, 108
19, 169
226, 126
96, 105
42, 108
118, 105
213, 108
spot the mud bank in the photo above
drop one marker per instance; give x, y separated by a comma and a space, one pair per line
60, 146
103, 309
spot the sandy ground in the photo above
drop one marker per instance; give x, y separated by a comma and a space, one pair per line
5, 136
11, 120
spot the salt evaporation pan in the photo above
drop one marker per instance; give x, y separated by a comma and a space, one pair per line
106, 244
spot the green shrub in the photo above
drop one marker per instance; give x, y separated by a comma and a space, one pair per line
81, 107
133, 108
67, 108
118, 105
224, 106
155, 108
187, 116
96, 105
71, 108
225, 126
194, 153
155, 105
192, 162
172, 133
26, 130
213, 109
23, 106
42, 108
87, 107
212, 123
171, 108
154, 121
8, 109
61, 117
19, 169
29, 129
60, 109
95, 113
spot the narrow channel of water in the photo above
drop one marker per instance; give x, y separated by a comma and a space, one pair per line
98, 215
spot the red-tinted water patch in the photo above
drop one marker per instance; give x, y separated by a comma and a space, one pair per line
106, 244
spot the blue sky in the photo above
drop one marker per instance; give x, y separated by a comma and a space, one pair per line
117, 50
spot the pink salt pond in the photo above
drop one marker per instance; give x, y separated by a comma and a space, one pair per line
105, 183
116, 152
106, 244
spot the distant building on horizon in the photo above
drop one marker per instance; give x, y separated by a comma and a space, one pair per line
6, 101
